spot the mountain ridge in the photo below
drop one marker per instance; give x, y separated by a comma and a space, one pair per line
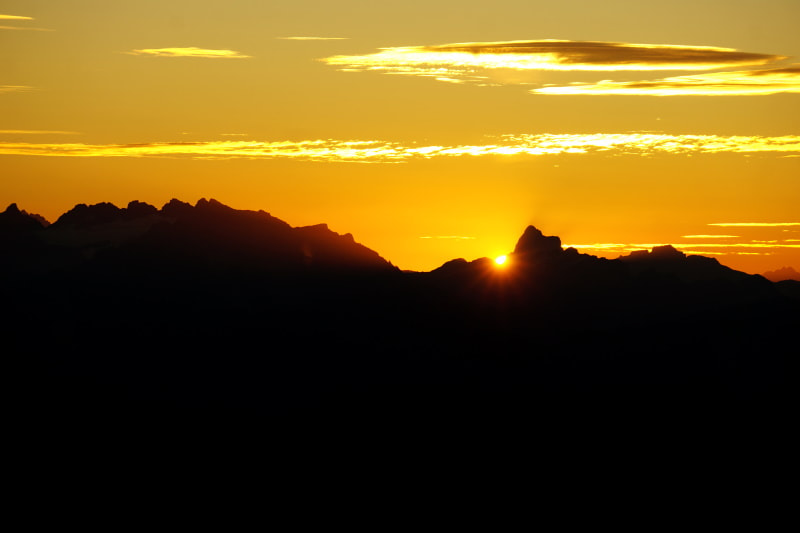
138, 218
205, 307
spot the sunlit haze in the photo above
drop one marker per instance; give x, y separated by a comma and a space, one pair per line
429, 130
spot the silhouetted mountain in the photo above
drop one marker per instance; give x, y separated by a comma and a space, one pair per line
782, 274
668, 260
206, 308
14, 220
181, 236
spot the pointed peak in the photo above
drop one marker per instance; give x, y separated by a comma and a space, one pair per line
175, 208
14, 217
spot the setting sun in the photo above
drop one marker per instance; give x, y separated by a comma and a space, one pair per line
425, 142
501, 260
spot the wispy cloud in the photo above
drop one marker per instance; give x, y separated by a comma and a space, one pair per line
482, 63
755, 224
473, 61
737, 83
766, 242
313, 38
14, 88
388, 151
19, 18
191, 51
737, 248
23, 28
709, 236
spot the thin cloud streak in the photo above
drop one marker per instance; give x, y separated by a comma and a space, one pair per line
313, 38
191, 51
19, 18
710, 236
755, 224
385, 151
14, 88
24, 29
703, 248
473, 62
738, 83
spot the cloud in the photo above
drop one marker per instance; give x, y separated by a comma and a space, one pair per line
375, 151
709, 236
19, 18
755, 224
313, 38
472, 61
24, 29
14, 88
736, 83
741, 248
191, 51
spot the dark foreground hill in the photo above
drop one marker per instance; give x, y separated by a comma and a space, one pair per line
195, 311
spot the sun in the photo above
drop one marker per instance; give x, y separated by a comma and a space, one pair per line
500, 260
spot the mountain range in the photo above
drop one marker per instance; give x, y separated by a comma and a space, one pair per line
204, 308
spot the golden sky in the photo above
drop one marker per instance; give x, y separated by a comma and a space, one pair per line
429, 129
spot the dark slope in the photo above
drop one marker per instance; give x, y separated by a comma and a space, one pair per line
208, 309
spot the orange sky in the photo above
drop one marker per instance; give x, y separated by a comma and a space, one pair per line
430, 130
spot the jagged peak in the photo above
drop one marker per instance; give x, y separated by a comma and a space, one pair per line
202, 203
14, 217
174, 208
89, 215
533, 241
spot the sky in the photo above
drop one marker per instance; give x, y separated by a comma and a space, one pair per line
430, 130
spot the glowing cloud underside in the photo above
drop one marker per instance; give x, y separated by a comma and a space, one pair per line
468, 61
14, 17
476, 62
190, 51
739, 83
385, 151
